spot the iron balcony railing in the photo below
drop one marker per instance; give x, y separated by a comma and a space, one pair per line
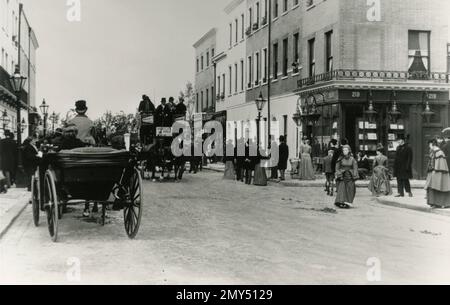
372, 75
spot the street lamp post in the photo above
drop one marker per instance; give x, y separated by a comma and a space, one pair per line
17, 82
44, 109
23, 125
427, 113
54, 119
394, 113
260, 102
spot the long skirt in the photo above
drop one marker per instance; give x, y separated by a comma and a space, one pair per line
346, 190
260, 176
437, 198
379, 183
306, 168
229, 171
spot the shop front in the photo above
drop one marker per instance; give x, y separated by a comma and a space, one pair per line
367, 114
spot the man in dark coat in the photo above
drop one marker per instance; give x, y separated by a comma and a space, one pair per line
31, 159
337, 151
180, 108
9, 158
164, 114
146, 105
283, 156
70, 140
403, 168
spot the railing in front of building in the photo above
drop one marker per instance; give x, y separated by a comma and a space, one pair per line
372, 75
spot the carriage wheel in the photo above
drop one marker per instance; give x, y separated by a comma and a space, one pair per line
51, 205
35, 200
133, 207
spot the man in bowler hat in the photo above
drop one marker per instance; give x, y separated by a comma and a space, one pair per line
82, 122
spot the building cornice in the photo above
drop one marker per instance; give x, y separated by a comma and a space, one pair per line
232, 5
219, 57
209, 34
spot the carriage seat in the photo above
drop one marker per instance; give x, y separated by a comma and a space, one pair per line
90, 157
92, 150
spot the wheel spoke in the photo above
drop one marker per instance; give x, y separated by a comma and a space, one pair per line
135, 217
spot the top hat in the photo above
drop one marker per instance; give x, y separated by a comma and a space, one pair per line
80, 107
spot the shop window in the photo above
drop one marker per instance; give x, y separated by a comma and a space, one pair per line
419, 53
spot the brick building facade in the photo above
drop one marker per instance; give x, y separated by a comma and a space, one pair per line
338, 57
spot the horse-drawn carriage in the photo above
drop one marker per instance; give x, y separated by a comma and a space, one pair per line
102, 175
156, 141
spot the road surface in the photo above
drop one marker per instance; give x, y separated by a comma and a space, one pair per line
206, 230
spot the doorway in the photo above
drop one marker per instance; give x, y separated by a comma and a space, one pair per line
352, 114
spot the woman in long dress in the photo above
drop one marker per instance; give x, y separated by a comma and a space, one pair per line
306, 167
347, 174
438, 180
379, 183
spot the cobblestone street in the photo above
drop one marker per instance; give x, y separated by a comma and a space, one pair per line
207, 230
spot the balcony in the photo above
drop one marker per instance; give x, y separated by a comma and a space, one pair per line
374, 76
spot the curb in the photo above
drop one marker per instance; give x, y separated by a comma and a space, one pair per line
314, 184
423, 209
7, 220
320, 184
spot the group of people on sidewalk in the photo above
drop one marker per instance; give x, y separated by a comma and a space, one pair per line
246, 166
342, 169
8, 161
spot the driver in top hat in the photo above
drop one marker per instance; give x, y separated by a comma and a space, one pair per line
82, 122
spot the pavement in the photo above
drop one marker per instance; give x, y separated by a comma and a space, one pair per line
12, 205
207, 230
417, 203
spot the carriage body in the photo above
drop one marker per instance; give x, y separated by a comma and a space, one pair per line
87, 174
101, 175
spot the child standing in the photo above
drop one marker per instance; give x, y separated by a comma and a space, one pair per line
329, 172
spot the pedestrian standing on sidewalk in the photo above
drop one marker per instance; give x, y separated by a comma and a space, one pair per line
329, 173
347, 174
363, 165
438, 180
229, 161
9, 158
379, 183
3, 188
446, 147
283, 156
240, 158
306, 166
403, 168
249, 163
274, 170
